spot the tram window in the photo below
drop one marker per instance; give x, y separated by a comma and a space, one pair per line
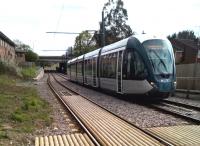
112, 65
79, 67
94, 66
134, 67
104, 66
73, 69
86, 67
108, 65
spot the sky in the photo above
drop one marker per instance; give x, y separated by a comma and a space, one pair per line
29, 20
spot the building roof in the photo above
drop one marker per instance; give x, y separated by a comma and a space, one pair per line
20, 51
5, 38
181, 44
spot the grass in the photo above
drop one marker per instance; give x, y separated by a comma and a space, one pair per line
22, 110
29, 72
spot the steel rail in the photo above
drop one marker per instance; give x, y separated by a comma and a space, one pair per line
143, 130
181, 104
76, 117
169, 110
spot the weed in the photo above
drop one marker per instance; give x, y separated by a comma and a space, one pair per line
6, 68
3, 135
19, 116
22, 108
28, 72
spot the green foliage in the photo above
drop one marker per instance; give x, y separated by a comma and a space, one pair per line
185, 34
19, 116
3, 135
5, 80
83, 43
6, 68
28, 72
21, 108
21, 46
115, 21
31, 56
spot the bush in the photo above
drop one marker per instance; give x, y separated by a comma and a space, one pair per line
11, 69
14, 70
28, 73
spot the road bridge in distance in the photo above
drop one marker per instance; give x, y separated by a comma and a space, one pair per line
53, 59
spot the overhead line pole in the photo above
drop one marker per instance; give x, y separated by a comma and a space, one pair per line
103, 28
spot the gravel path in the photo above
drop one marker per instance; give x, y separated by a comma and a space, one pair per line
63, 122
137, 114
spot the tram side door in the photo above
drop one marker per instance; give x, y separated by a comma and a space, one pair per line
119, 72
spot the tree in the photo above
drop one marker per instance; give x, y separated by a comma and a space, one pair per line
83, 43
21, 46
115, 21
29, 55
185, 34
69, 53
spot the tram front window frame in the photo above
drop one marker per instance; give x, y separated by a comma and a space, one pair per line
159, 53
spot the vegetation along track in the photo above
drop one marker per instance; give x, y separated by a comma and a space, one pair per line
103, 127
186, 111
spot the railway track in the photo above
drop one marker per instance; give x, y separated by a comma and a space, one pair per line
70, 93
186, 111
102, 126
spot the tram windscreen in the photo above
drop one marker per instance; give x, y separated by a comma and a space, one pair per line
160, 56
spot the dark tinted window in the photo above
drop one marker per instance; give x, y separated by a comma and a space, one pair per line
73, 69
79, 68
94, 66
108, 65
133, 67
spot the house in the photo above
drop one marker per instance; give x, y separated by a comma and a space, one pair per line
7, 49
186, 51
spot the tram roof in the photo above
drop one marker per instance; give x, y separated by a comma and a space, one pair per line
144, 37
123, 43
91, 54
118, 45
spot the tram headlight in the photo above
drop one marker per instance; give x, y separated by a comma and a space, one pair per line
175, 84
152, 83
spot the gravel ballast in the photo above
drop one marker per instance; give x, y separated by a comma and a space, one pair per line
63, 122
139, 115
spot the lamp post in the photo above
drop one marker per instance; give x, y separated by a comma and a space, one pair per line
103, 28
